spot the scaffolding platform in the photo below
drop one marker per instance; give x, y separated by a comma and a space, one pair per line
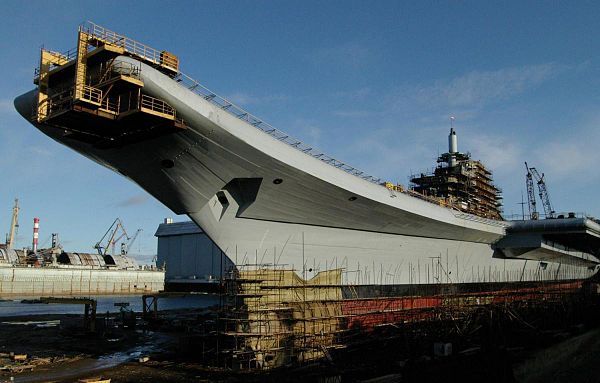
97, 98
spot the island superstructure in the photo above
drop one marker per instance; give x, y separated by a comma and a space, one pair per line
463, 183
267, 199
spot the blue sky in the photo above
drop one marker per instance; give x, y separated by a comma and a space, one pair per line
371, 83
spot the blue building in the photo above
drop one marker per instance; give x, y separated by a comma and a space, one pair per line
192, 261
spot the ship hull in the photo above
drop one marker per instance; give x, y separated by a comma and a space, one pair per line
366, 307
262, 201
283, 319
371, 257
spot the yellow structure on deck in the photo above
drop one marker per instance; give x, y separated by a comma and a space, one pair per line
91, 80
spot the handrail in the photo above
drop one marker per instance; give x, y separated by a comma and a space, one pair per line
126, 69
91, 94
157, 105
114, 69
64, 57
164, 59
542, 216
243, 115
110, 106
55, 103
129, 45
159, 58
476, 218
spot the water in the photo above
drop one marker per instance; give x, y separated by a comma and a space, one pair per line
14, 307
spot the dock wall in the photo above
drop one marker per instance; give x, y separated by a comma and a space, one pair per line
19, 281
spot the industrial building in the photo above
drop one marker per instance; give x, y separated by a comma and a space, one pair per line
192, 261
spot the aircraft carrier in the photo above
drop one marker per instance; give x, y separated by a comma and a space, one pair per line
289, 216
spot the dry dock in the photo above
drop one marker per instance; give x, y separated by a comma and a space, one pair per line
500, 345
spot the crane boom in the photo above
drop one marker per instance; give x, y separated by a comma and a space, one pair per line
533, 174
113, 241
533, 214
111, 233
543, 192
14, 225
126, 249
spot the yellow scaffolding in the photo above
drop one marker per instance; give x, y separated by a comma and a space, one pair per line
48, 59
94, 90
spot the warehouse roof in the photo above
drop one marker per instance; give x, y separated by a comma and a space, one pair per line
177, 228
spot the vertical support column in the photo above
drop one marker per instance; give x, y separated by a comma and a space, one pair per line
93, 316
86, 316
47, 59
80, 65
43, 108
145, 306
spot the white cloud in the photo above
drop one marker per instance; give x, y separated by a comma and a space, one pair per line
478, 88
306, 131
392, 153
572, 156
501, 154
242, 98
135, 200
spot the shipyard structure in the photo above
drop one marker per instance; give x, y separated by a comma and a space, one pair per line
461, 182
320, 251
55, 272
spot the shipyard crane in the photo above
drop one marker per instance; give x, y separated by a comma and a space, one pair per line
111, 234
533, 214
14, 226
125, 247
114, 240
533, 174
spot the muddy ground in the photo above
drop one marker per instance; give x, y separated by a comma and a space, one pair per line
56, 354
